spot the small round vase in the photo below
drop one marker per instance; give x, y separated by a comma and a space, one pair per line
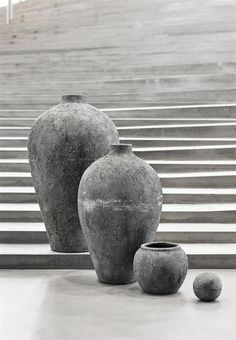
119, 202
160, 267
62, 143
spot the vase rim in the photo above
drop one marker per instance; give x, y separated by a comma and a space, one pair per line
160, 246
73, 98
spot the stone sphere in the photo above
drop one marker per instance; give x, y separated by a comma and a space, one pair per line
207, 286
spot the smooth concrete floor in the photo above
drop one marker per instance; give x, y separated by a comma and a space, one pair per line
73, 305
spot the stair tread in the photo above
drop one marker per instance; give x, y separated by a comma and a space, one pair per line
169, 148
17, 190
163, 227
44, 249
203, 207
186, 191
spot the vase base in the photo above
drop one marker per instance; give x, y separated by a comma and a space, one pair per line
69, 249
118, 282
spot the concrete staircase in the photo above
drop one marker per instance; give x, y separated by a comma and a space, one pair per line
193, 150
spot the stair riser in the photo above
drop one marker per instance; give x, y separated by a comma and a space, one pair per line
176, 112
55, 261
174, 168
184, 132
16, 181
14, 132
166, 217
14, 167
175, 236
187, 155
15, 123
195, 198
167, 143
197, 237
200, 182
61, 261
213, 261
18, 198
188, 182
23, 237
20, 216
167, 198
199, 217
13, 154
13, 143
122, 122
160, 168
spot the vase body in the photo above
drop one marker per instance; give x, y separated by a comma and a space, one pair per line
119, 203
62, 143
160, 267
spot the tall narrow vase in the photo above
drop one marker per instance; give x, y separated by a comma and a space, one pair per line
119, 202
62, 143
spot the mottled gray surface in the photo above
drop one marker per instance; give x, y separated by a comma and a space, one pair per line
63, 142
120, 199
207, 286
160, 267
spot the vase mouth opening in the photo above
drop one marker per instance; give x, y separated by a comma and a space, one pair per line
160, 246
120, 148
73, 98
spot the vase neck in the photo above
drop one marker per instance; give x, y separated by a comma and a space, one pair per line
73, 98
121, 148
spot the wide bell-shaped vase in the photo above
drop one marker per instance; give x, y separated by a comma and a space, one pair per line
62, 143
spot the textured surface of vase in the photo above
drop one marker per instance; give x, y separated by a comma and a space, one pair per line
62, 143
160, 267
120, 199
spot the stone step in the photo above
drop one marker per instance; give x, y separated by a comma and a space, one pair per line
15, 141
8, 131
139, 142
216, 130
30, 232
207, 130
198, 195
215, 152
22, 232
175, 166
178, 213
17, 195
39, 256
161, 166
119, 122
201, 152
16, 179
13, 152
174, 111
197, 232
14, 165
220, 179
170, 195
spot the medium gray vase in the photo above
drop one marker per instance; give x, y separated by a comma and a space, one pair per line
160, 267
62, 143
119, 202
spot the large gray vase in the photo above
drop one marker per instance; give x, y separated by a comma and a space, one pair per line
119, 202
62, 143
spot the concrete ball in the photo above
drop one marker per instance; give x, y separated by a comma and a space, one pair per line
207, 286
